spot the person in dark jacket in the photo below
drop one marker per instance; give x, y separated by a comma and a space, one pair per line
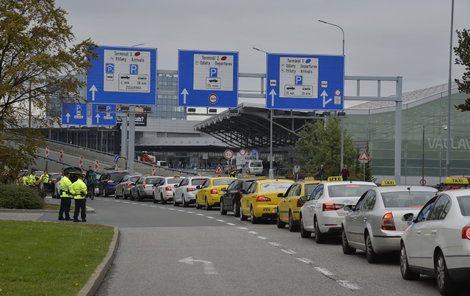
345, 173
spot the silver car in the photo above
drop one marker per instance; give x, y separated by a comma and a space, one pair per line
144, 187
123, 189
375, 224
185, 191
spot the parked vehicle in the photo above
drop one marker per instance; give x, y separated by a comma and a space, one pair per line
143, 187
185, 191
163, 192
323, 212
230, 200
375, 224
162, 164
437, 243
108, 181
254, 167
210, 192
123, 189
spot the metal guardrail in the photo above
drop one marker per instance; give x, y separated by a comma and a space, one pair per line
79, 147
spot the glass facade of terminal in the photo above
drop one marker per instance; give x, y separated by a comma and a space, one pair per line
376, 131
167, 101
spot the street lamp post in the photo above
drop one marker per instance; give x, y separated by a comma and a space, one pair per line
337, 26
449, 105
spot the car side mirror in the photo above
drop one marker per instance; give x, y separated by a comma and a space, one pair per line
224, 189
242, 191
303, 199
176, 186
198, 187
409, 217
281, 195
349, 208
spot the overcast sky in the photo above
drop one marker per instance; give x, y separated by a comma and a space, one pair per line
409, 38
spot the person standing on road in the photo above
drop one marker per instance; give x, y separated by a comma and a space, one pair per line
79, 190
90, 179
44, 183
65, 197
345, 173
320, 175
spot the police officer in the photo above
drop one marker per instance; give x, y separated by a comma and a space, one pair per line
79, 190
65, 197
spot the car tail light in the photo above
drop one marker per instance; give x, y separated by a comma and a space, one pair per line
130, 184
466, 232
214, 191
168, 188
387, 222
300, 202
262, 198
110, 181
189, 189
328, 206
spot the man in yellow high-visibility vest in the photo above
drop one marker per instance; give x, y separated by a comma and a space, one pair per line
79, 190
65, 197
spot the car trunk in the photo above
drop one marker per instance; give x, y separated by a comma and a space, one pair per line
398, 214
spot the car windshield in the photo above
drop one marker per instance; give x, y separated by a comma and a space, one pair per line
198, 182
257, 164
153, 180
309, 188
274, 186
406, 199
464, 203
219, 182
348, 190
173, 180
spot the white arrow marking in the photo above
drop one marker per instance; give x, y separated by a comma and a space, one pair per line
184, 93
97, 118
93, 90
325, 95
272, 93
208, 266
68, 117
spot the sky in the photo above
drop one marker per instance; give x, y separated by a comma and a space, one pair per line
408, 38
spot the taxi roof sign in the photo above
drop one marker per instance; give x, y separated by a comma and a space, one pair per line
388, 183
335, 178
310, 179
456, 181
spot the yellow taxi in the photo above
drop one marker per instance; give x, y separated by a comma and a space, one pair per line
288, 209
261, 198
209, 193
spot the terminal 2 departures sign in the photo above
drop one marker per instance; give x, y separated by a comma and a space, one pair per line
208, 79
305, 82
122, 75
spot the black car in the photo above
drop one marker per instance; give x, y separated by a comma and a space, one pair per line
108, 181
230, 201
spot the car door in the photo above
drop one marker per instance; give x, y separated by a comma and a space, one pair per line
311, 207
366, 211
353, 225
283, 206
246, 200
228, 196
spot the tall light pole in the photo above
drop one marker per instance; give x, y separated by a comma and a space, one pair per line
449, 105
271, 168
334, 25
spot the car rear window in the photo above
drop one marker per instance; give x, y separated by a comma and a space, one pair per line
173, 180
309, 188
117, 176
134, 178
153, 180
197, 182
256, 164
464, 203
348, 190
274, 186
406, 199
219, 182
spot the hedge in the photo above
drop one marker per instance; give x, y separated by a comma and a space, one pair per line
20, 197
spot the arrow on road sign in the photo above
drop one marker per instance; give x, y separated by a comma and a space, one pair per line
325, 95
68, 117
184, 93
97, 118
93, 90
208, 266
272, 93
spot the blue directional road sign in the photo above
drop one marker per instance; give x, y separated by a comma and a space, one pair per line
74, 114
103, 115
311, 82
123, 75
208, 78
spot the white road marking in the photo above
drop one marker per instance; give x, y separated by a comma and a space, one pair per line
274, 244
180, 210
126, 202
208, 266
288, 251
231, 224
324, 271
221, 220
200, 214
261, 237
348, 285
152, 206
305, 260
252, 232
134, 203
161, 207
189, 212
242, 228
210, 217
170, 209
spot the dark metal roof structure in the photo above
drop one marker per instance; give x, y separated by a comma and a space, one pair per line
249, 126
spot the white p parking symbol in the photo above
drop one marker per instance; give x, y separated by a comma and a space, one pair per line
133, 69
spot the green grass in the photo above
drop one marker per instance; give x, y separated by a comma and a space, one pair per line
44, 258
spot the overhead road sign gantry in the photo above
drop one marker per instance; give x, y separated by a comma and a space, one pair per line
304, 81
122, 75
74, 114
207, 78
103, 115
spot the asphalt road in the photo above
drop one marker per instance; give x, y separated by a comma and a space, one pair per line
183, 251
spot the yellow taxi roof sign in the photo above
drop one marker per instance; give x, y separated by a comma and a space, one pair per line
262, 178
309, 179
456, 181
388, 183
335, 178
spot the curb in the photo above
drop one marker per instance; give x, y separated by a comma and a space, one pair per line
96, 279
89, 210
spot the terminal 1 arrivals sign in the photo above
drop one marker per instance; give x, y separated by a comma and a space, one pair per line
310, 82
122, 75
207, 78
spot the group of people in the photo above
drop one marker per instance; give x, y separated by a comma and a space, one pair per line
321, 174
35, 181
76, 190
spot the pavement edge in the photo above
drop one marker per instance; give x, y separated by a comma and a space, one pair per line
97, 278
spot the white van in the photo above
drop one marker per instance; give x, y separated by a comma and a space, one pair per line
162, 164
254, 167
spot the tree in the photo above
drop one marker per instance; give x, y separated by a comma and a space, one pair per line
38, 57
319, 143
463, 58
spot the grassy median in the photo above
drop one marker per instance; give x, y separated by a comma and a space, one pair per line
43, 258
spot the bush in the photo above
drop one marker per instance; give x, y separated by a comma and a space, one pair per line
19, 197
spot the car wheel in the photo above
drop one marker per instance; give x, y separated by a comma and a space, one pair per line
139, 198
279, 222
207, 207
254, 220
304, 233
242, 216
154, 200
347, 249
293, 226
162, 200
132, 196
443, 280
319, 237
197, 204
116, 195
222, 211
371, 256
405, 270
184, 201
175, 203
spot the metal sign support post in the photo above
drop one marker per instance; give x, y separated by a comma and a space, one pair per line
124, 135
131, 148
398, 104
342, 146
271, 169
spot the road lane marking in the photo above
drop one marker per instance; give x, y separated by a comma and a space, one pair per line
180, 210
324, 271
134, 203
252, 232
262, 237
242, 228
210, 217
305, 260
208, 266
153, 206
288, 251
231, 224
161, 207
221, 220
348, 285
200, 214
189, 212
274, 244
170, 209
